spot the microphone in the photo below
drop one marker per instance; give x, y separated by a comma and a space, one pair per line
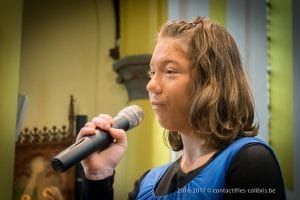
128, 118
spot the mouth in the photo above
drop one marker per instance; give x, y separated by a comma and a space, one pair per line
156, 105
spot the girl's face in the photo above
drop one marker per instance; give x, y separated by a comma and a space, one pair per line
170, 84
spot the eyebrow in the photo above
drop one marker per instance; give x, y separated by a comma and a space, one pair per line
164, 62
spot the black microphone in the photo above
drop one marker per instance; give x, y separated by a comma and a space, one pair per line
129, 117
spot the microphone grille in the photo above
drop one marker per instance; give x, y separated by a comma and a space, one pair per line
134, 114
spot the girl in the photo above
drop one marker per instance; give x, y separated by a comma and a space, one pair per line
200, 94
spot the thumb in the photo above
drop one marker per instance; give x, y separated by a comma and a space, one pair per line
119, 136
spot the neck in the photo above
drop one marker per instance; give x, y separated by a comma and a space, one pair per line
195, 152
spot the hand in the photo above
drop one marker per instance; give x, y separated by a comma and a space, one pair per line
100, 165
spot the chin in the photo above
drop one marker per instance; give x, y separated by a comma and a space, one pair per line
163, 125
167, 126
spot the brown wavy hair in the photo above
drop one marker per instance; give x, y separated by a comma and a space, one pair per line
222, 109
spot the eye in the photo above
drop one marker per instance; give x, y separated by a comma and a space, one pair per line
170, 71
151, 73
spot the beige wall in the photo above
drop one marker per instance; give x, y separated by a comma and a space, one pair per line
65, 50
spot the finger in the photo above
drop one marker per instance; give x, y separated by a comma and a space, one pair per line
105, 116
90, 124
119, 136
104, 123
85, 131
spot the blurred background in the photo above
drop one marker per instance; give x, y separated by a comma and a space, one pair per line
64, 62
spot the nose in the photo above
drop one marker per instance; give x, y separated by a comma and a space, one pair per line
153, 86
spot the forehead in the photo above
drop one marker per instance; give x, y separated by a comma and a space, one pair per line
169, 49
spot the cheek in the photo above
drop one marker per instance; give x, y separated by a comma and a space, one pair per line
176, 114
184, 98
181, 100
184, 91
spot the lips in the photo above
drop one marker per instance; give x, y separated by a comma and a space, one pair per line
156, 105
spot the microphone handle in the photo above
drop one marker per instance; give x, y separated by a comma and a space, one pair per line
87, 145
75, 153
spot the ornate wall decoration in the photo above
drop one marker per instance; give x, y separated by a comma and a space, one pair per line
34, 179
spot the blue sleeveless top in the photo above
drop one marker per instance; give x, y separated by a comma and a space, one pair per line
208, 184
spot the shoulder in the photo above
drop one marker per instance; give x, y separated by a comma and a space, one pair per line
151, 174
254, 155
133, 194
255, 166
